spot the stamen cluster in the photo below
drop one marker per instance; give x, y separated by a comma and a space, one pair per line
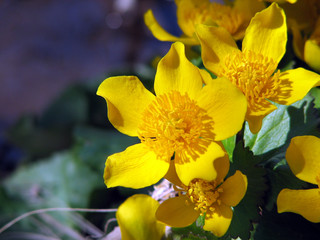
175, 124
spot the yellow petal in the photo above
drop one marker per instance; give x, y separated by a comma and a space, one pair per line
136, 167
248, 7
303, 157
226, 105
136, 218
216, 45
220, 220
172, 176
202, 167
126, 98
234, 189
176, 72
303, 202
254, 118
295, 84
177, 212
312, 54
267, 33
161, 34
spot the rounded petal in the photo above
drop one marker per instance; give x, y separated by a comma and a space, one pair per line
226, 105
312, 54
303, 158
295, 84
136, 218
267, 33
254, 119
126, 98
136, 167
248, 7
234, 189
303, 202
216, 45
203, 166
176, 72
220, 220
177, 212
161, 34
172, 176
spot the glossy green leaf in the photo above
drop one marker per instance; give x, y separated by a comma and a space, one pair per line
281, 125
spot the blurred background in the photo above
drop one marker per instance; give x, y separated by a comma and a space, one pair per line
54, 133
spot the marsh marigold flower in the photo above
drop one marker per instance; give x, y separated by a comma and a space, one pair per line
254, 69
303, 20
213, 198
136, 219
233, 18
180, 123
303, 159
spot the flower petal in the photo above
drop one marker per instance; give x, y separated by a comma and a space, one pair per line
295, 84
303, 158
312, 54
126, 99
216, 45
248, 7
234, 189
136, 167
176, 72
226, 105
220, 220
136, 218
161, 34
202, 167
303, 202
177, 212
254, 118
267, 33
172, 176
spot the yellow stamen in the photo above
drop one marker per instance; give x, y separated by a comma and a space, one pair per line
204, 195
254, 75
175, 124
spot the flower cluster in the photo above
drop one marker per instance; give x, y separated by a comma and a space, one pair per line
185, 124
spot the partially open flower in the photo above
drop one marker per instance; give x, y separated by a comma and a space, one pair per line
234, 18
303, 158
136, 218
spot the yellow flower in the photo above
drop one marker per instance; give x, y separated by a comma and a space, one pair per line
182, 122
254, 69
136, 218
234, 18
303, 158
282, 1
304, 22
198, 197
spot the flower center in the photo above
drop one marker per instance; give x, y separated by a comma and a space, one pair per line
205, 195
254, 75
175, 124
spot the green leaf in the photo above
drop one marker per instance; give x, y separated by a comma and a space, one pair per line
285, 226
247, 210
94, 145
59, 181
281, 125
281, 177
315, 92
229, 145
191, 232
